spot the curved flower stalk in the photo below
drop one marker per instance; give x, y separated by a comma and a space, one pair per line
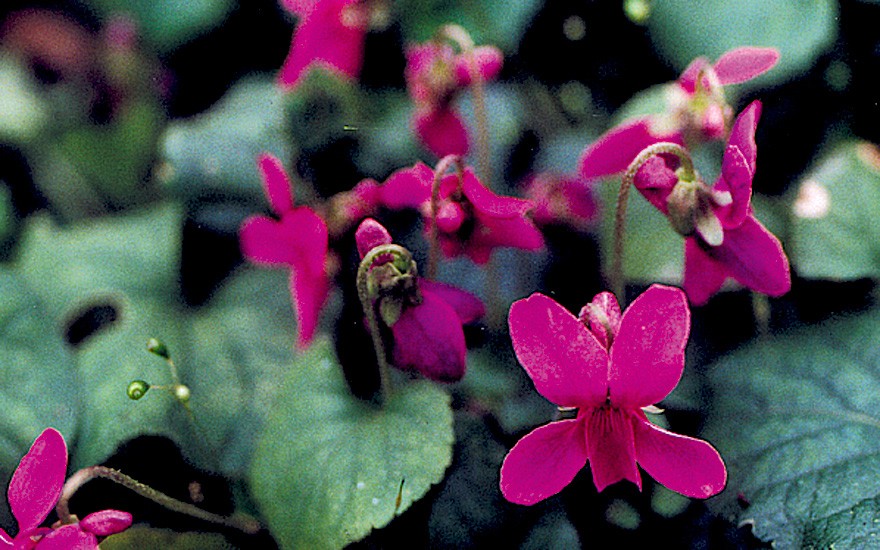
435, 74
471, 219
35, 489
424, 318
722, 236
610, 367
330, 34
297, 240
697, 111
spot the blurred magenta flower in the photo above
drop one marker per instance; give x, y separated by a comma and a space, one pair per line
696, 111
33, 492
425, 317
435, 74
298, 241
563, 200
471, 219
330, 34
609, 367
722, 236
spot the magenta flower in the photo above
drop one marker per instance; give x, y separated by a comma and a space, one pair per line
435, 74
562, 199
697, 110
35, 489
471, 219
330, 34
722, 237
425, 317
609, 367
298, 241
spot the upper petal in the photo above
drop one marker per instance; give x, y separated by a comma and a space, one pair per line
36, 484
742, 64
442, 131
742, 134
266, 241
543, 462
736, 178
276, 184
688, 78
428, 338
488, 61
106, 522
684, 464
468, 307
565, 361
613, 152
486, 201
647, 356
408, 187
610, 447
309, 283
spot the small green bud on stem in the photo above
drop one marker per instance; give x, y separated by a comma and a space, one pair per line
137, 389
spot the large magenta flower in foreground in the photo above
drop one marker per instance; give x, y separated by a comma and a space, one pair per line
298, 241
425, 317
471, 219
330, 34
35, 489
435, 74
609, 368
722, 237
697, 110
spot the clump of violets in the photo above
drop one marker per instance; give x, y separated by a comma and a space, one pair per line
610, 368
435, 74
424, 318
297, 240
35, 489
722, 236
696, 111
471, 220
330, 34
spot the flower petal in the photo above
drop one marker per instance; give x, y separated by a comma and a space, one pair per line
754, 257
485, 200
616, 149
36, 484
602, 316
656, 178
683, 464
266, 241
703, 274
742, 134
408, 187
488, 61
106, 522
369, 235
468, 307
276, 184
647, 356
565, 361
611, 448
69, 537
735, 178
442, 131
688, 78
742, 64
428, 338
543, 462
5, 539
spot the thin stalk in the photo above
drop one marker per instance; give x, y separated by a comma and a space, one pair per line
77, 480
434, 245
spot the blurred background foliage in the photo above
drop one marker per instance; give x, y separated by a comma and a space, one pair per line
128, 135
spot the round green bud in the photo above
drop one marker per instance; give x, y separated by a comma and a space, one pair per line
156, 347
137, 389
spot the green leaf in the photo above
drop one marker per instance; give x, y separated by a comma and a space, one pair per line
835, 231
137, 538
328, 467
801, 30
796, 421
198, 161
168, 23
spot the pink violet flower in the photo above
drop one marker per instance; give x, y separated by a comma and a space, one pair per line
297, 240
330, 34
697, 110
722, 236
427, 335
472, 220
562, 199
435, 74
609, 367
34, 491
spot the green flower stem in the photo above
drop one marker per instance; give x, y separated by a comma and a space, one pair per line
370, 309
240, 523
617, 283
439, 171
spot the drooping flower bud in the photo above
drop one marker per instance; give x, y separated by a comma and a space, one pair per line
137, 389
